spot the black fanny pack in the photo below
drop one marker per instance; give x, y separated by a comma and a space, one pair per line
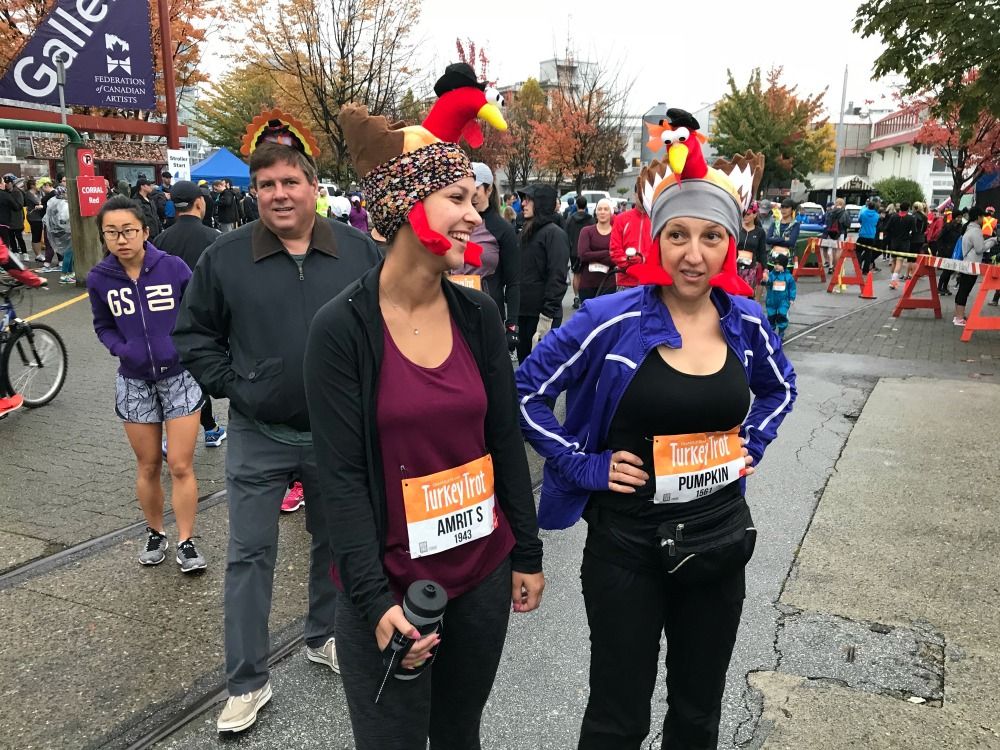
705, 549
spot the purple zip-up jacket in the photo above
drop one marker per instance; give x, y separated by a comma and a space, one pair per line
595, 355
358, 218
134, 319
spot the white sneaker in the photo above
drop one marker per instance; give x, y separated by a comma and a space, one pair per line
326, 654
240, 711
959, 321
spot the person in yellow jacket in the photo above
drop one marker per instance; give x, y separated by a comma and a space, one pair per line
989, 222
323, 203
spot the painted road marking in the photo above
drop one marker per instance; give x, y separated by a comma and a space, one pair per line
55, 308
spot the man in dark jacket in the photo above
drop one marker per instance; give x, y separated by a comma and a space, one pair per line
899, 229
143, 190
226, 210
575, 222
242, 333
187, 238
544, 262
11, 221
250, 211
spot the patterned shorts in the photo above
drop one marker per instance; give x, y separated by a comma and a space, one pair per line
156, 401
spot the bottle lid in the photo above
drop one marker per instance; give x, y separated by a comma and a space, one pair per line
426, 599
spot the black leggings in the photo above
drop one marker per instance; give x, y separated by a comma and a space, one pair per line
965, 283
446, 702
628, 611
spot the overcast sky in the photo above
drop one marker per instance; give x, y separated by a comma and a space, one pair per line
676, 52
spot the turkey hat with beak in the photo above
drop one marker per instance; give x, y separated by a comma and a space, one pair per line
688, 187
401, 166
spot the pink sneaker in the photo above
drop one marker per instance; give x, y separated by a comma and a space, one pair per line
294, 499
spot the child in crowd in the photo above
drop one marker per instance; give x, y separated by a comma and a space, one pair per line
780, 291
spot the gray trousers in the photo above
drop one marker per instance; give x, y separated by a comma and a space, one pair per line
258, 470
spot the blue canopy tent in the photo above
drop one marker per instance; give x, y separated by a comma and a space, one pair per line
223, 164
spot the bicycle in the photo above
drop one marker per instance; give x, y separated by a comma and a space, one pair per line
32, 355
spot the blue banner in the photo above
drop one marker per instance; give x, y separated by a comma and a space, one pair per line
106, 48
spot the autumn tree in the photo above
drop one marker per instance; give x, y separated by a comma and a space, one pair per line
525, 108
771, 118
969, 149
583, 137
226, 106
935, 45
335, 52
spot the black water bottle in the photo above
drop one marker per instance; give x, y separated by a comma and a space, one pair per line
424, 606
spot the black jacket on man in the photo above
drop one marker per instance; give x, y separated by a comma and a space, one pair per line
10, 207
152, 218
187, 238
250, 210
544, 259
242, 326
226, 211
343, 361
899, 230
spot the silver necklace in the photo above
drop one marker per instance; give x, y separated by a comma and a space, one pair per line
416, 331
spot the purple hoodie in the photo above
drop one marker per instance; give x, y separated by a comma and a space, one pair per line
358, 217
134, 319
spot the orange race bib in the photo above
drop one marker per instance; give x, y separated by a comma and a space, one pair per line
471, 281
779, 286
450, 508
746, 256
689, 467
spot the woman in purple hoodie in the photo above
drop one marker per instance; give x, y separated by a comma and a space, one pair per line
135, 293
358, 216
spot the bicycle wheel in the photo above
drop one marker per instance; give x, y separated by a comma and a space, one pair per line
34, 364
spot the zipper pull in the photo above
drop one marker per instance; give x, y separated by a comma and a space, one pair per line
679, 531
301, 277
671, 547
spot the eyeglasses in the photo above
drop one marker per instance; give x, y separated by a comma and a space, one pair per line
129, 233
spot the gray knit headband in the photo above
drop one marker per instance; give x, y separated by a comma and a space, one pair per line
697, 199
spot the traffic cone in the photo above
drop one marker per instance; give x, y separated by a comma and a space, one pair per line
869, 291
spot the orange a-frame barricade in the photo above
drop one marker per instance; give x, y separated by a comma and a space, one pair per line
812, 249
975, 320
847, 252
925, 270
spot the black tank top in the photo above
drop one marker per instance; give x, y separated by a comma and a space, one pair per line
662, 401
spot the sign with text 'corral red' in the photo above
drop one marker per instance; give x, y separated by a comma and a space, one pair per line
92, 195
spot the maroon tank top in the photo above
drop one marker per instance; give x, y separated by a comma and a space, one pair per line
431, 420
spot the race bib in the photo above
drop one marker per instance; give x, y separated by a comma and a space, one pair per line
598, 268
693, 466
471, 281
449, 508
779, 286
746, 256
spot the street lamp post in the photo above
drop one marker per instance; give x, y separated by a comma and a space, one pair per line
60, 58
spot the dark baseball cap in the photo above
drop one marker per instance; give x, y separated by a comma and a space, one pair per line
143, 180
184, 194
166, 173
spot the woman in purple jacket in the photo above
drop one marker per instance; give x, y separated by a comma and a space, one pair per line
135, 293
659, 436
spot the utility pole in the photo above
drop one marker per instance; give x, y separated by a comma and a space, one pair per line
169, 88
840, 129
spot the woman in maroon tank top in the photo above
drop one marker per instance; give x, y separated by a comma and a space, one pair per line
423, 469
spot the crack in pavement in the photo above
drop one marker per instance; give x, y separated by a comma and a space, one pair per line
831, 409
